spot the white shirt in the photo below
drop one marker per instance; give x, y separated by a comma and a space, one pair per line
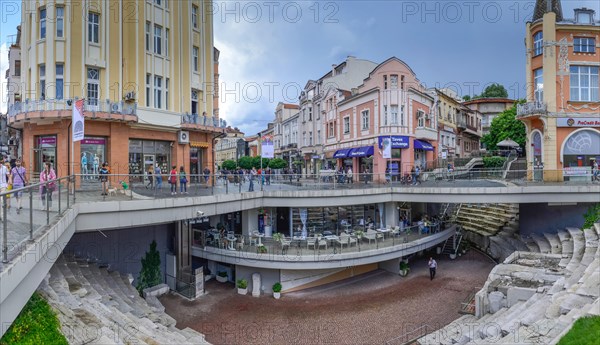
3, 173
432, 264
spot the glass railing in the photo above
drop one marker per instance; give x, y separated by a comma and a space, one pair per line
92, 105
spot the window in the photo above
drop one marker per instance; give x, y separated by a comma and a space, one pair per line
420, 118
157, 92
93, 83
42, 70
304, 138
59, 81
385, 115
538, 84
394, 81
157, 2
167, 82
385, 82
93, 27
195, 54
584, 45
17, 71
194, 102
310, 138
157, 39
42, 23
167, 42
148, 81
583, 17
318, 137
394, 111
331, 133
402, 82
346, 125
402, 115
538, 43
148, 26
195, 16
584, 83
309, 114
60, 21
365, 119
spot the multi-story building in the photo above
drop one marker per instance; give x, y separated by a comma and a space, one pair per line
145, 70
390, 103
563, 97
345, 76
489, 109
230, 147
447, 110
469, 128
10, 137
285, 137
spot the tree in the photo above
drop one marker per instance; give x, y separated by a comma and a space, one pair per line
466, 98
256, 162
494, 91
505, 126
150, 273
245, 162
277, 163
229, 165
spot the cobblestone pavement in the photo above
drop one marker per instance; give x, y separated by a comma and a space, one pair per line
368, 309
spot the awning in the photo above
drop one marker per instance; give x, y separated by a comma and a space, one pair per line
364, 151
343, 153
200, 144
423, 145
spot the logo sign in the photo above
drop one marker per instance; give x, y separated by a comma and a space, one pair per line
578, 122
398, 141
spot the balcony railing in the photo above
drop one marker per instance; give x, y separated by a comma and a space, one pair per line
202, 120
104, 106
531, 108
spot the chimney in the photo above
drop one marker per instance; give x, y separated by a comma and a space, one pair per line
354, 91
333, 69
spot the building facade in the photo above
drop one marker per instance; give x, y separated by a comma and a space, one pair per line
145, 70
230, 147
563, 97
489, 108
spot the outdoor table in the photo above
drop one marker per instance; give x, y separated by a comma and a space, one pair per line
384, 231
260, 236
232, 241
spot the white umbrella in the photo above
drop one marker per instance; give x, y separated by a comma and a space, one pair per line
508, 143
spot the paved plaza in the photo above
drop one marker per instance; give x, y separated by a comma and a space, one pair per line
368, 309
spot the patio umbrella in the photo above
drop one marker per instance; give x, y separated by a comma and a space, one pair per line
508, 143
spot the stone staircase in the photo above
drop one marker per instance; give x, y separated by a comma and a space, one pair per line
534, 297
97, 306
517, 169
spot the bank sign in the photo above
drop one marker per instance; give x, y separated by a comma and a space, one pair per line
578, 122
398, 141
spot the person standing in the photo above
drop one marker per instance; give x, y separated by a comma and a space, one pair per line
182, 181
206, 175
4, 179
18, 180
173, 180
253, 174
47, 177
150, 179
349, 175
432, 267
158, 177
103, 175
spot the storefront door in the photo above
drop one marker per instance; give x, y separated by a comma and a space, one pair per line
148, 161
45, 152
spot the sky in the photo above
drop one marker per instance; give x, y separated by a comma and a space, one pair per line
270, 49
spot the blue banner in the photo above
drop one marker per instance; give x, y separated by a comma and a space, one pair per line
398, 141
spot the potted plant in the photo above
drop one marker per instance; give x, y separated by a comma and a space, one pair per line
277, 290
242, 286
222, 277
261, 249
404, 269
277, 237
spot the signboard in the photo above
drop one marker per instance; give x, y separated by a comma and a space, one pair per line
386, 147
268, 149
577, 122
444, 154
577, 171
47, 141
398, 141
93, 141
78, 121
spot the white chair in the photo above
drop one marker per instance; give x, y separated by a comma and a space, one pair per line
254, 238
240, 243
310, 242
322, 242
285, 242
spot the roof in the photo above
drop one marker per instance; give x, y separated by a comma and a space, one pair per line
544, 6
489, 100
290, 106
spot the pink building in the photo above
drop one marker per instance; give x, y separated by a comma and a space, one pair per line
391, 103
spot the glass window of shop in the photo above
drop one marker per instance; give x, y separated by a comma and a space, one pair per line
197, 162
44, 151
93, 149
365, 168
143, 153
580, 151
334, 220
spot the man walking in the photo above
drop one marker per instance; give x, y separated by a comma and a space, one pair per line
432, 266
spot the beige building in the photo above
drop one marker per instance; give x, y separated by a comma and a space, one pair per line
230, 147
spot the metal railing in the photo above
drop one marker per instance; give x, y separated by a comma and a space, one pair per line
203, 120
531, 108
90, 105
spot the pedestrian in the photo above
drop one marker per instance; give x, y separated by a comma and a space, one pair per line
253, 174
4, 179
157, 177
182, 181
47, 177
413, 174
432, 267
103, 176
349, 174
173, 180
150, 172
206, 175
18, 180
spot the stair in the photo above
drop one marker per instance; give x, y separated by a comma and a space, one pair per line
517, 170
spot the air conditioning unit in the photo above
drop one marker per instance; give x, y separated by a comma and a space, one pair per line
184, 137
114, 108
130, 96
12, 142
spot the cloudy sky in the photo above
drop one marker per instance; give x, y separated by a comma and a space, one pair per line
270, 49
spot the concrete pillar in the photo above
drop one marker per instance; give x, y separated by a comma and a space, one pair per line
392, 266
392, 214
249, 221
182, 244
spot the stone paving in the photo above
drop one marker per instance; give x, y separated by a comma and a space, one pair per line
368, 309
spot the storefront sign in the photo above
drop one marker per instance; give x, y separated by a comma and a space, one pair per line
47, 141
577, 122
93, 141
268, 150
398, 141
576, 171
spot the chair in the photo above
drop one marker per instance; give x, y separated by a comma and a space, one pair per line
322, 242
240, 243
254, 238
285, 242
310, 242
343, 239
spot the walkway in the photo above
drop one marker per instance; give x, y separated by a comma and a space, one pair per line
368, 309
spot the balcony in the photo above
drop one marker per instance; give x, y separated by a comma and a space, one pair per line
467, 128
531, 109
195, 121
62, 108
426, 133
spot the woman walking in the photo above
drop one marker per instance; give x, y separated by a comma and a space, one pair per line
47, 177
149, 176
173, 180
103, 174
18, 180
182, 181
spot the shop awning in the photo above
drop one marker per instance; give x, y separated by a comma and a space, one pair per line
423, 145
343, 153
364, 151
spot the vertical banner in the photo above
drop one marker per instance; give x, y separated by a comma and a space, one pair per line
386, 148
77, 125
268, 151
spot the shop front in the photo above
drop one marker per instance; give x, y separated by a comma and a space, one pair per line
393, 164
423, 152
198, 160
579, 151
144, 153
93, 154
363, 159
44, 152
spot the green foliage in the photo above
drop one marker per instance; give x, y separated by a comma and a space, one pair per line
493, 162
36, 324
585, 331
591, 216
404, 266
277, 287
150, 273
246, 162
504, 126
242, 283
466, 98
229, 165
256, 162
262, 249
277, 163
277, 237
222, 274
494, 91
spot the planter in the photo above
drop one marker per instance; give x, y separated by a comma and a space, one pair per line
276, 295
243, 291
403, 273
222, 279
452, 256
